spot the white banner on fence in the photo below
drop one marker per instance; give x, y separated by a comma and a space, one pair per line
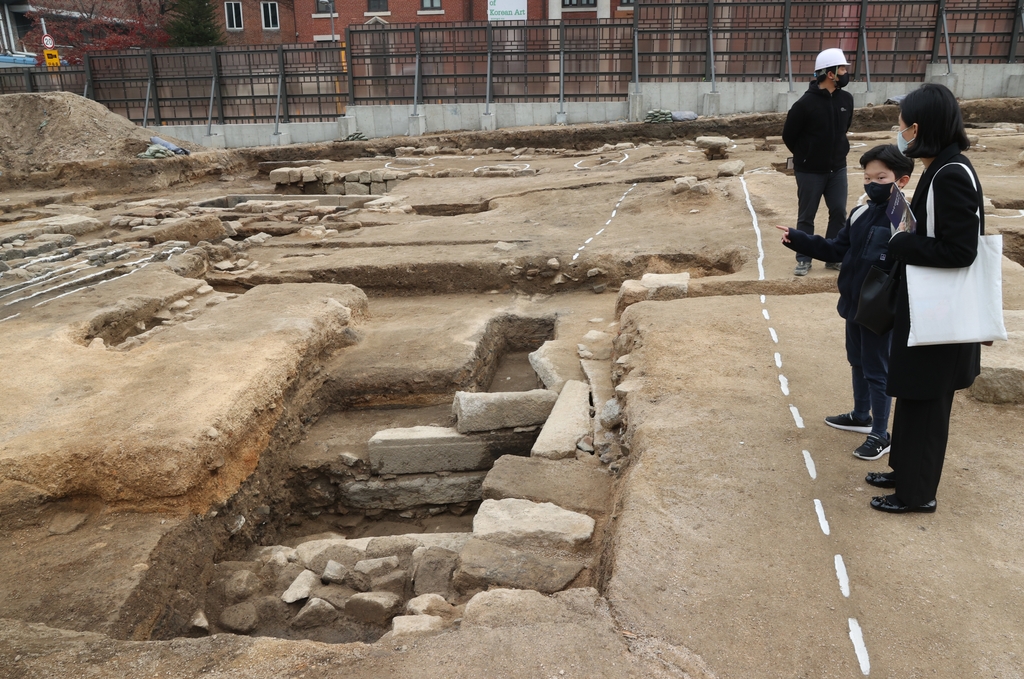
506, 10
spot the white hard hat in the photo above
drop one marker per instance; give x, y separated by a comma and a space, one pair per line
829, 58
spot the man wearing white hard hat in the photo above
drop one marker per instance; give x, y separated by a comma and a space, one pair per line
815, 133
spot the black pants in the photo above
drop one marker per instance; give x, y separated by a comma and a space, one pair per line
810, 187
919, 433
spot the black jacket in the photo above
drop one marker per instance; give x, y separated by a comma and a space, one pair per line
861, 244
927, 372
816, 127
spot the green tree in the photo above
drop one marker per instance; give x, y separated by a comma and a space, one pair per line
193, 23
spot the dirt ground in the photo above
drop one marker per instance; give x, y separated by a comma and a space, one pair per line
129, 467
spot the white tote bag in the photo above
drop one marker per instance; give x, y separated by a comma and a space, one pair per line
957, 306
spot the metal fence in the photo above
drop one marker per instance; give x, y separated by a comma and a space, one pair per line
571, 60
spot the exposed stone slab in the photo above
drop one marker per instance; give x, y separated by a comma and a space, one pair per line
516, 607
433, 568
300, 587
599, 376
192, 229
405, 627
373, 607
655, 287
315, 554
566, 483
412, 450
316, 613
483, 564
241, 618
1002, 365
521, 522
412, 490
482, 411
568, 423
556, 362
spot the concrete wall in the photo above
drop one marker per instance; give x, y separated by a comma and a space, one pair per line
969, 81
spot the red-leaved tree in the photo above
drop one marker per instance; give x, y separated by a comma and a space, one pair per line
80, 26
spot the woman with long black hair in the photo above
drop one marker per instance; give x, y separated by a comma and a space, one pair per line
923, 379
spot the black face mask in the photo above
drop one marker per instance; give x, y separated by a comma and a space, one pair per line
842, 80
878, 193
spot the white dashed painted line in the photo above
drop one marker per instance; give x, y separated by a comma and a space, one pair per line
857, 637
775, 337
778, 360
822, 521
614, 213
764, 312
9, 318
796, 416
809, 461
762, 299
784, 383
757, 230
844, 579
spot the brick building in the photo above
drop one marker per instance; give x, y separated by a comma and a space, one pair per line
306, 21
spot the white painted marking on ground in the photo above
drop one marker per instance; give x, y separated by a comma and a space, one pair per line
844, 579
757, 230
775, 338
1007, 216
784, 383
809, 461
588, 240
613, 213
822, 521
762, 299
796, 416
580, 248
778, 360
764, 312
9, 318
857, 637
599, 232
575, 257
608, 222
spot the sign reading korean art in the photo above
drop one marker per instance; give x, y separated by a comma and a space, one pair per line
506, 10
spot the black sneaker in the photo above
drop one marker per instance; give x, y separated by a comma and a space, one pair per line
847, 422
834, 266
873, 448
802, 269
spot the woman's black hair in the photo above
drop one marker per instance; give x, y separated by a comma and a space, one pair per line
890, 156
939, 123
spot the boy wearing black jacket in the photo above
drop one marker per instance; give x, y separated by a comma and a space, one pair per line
861, 244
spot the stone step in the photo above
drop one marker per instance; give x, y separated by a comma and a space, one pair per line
483, 564
412, 450
412, 490
566, 483
556, 363
568, 423
516, 522
481, 411
653, 286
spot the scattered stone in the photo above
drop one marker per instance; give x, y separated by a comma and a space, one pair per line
521, 522
316, 613
595, 272
334, 573
66, 522
701, 188
405, 627
363, 572
683, 184
712, 142
398, 546
315, 554
553, 263
224, 265
199, 621
432, 570
484, 564
413, 450
730, 169
241, 585
300, 587
568, 423
610, 413
599, 344
396, 582
429, 604
482, 411
499, 608
375, 608
241, 618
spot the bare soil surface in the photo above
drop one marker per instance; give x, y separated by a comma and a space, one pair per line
174, 403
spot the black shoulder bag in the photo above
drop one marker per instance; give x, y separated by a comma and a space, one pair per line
876, 309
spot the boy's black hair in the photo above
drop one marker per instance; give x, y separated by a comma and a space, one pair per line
890, 156
939, 123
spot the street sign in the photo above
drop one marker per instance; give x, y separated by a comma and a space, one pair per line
506, 10
52, 58
48, 42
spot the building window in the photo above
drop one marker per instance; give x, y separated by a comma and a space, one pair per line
377, 5
324, 6
430, 4
626, 2
270, 21
579, 3
233, 11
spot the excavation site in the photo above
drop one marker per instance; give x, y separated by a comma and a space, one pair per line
542, 401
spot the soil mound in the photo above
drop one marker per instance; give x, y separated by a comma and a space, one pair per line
41, 130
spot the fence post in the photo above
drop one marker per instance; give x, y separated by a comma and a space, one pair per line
277, 111
940, 13
636, 43
150, 66
216, 80
490, 57
28, 80
711, 44
561, 66
282, 89
867, 59
145, 109
416, 75
1018, 21
350, 68
861, 32
87, 63
945, 33
786, 54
